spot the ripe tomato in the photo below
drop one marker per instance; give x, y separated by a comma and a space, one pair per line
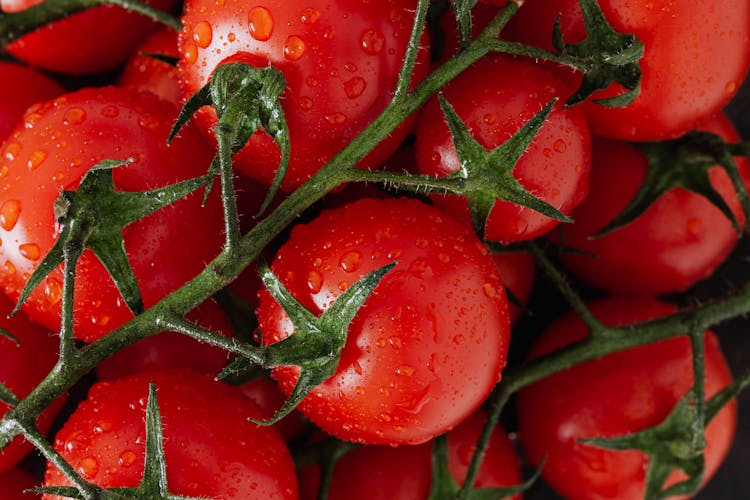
680, 240
143, 72
22, 367
697, 52
51, 150
517, 271
494, 106
340, 58
618, 394
210, 447
268, 398
404, 473
429, 343
89, 42
15, 481
20, 87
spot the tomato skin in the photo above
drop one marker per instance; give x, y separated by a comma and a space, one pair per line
15, 481
429, 343
697, 54
618, 394
20, 87
89, 42
340, 58
517, 271
210, 447
405, 472
680, 240
51, 150
142, 72
554, 167
22, 367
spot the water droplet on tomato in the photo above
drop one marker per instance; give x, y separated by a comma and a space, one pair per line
309, 16
459, 339
53, 291
305, 103
350, 67
314, 281
127, 458
202, 34
560, 146
355, 87
103, 426
11, 150
37, 158
336, 118
489, 290
730, 87
294, 48
260, 23
74, 116
9, 213
190, 53
373, 42
30, 251
88, 467
148, 121
350, 261
405, 370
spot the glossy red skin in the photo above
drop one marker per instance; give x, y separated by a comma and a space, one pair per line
142, 72
680, 240
89, 42
170, 350
405, 472
495, 106
264, 393
429, 343
335, 87
20, 87
22, 367
178, 240
618, 394
211, 449
15, 481
697, 53
517, 271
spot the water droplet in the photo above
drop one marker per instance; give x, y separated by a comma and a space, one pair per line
260, 23
294, 48
190, 53
560, 146
202, 34
459, 339
357, 368
373, 42
421, 268
30, 251
231, 37
74, 116
350, 261
405, 370
110, 111
305, 103
355, 87
148, 121
489, 290
53, 291
103, 426
9, 213
350, 67
730, 87
381, 342
11, 150
336, 118
37, 158
309, 16
127, 458
88, 467
58, 176
490, 118
314, 281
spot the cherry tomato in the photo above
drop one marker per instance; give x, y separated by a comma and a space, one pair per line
481, 15
340, 58
20, 87
681, 239
143, 72
429, 343
51, 150
211, 449
404, 473
93, 41
517, 270
618, 394
494, 106
267, 396
22, 367
697, 53
15, 481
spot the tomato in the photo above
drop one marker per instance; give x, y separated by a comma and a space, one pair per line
680, 240
618, 394
210, 447
481, 15
89, 42
517, 271
21, 87
340, 58
429, 343
404, 473
143, 72
15, 481
494, 106
22, 367
51, 150
697, 52
267, 396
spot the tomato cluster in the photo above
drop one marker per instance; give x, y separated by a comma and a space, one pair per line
384, 320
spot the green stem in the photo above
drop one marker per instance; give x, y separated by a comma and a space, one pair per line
71, 255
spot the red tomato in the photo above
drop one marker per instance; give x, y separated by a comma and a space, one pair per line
20, 87
89, 42
211, 449
15, 481
618, 394
517, 271
51, 150
481, 16
697, 52
267, 396
429, 343
680, 240
22, 367
404, 473
494, 106
341, 59
143, 72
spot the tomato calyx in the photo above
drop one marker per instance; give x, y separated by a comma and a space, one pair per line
245, 99
317, 342
14, 25
684, 162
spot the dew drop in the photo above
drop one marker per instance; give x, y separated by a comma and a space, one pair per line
9, 213
202, 34
305, 103
310, 16
148, 121
260, 23
314, 281
37, 158
30, 251
355, 87
489, 290
88, 466
459, 339
190, 53
350, 261
53, 291
560, 146
730, 87
373, 42
11, 150
405, 370
74, 116
127, 458
231, 37
294, 48
336, 118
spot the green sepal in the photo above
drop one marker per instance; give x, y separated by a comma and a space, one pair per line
507, 491
488, 175
684, 162
604, 57
240, 371
7, 396
5, 333
94, 217
317, 342
462, 10
60, 491
327, 453
169, 60
245, 99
